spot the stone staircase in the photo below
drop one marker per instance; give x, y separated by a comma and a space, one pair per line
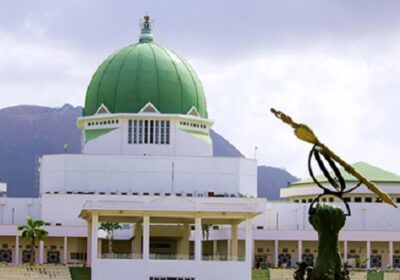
38, 272
391, 276
358, 275
281, 274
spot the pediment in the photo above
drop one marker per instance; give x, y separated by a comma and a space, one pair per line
193, 112
149, 108
102, 110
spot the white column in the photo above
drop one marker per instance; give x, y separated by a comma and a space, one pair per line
65, 250
186, 238
228, 249
16, 261
41, 251
89, 244
94, 241
146, 237
249, 241
234, 242
137, 241
391, 253
197, 239
299, 251
276, 252
345, 250
368, 254
99, 246
215, 246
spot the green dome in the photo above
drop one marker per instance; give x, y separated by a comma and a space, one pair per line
145, 72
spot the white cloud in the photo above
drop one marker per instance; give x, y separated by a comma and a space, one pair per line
37, 70
345, 99
348, 97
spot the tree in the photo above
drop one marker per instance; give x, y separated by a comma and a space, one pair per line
205, 229
33, 231
109, 228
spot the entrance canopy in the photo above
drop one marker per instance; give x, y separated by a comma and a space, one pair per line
173, 209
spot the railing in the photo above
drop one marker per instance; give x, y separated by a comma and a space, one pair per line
121, 256
171, 257
223, 258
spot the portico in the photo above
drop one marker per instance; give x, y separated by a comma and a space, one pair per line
185, 218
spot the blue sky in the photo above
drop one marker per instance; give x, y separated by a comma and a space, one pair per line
331, 64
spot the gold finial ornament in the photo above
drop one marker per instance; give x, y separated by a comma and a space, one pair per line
146, 21
303, 132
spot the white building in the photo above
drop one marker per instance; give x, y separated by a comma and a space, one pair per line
147, 163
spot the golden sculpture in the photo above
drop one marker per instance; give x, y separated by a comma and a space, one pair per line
303, 132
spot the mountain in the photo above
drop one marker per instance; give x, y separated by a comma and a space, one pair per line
222, 147
271, 180
28, 132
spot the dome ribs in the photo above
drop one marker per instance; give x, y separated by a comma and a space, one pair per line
179, 78
141, 73
117, 82
158, 79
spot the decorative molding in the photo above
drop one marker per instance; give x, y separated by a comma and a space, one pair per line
193, 111
149, 108
102, 110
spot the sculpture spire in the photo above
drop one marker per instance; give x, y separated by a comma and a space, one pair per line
145, 26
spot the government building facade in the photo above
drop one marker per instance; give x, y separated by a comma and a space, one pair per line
147, 163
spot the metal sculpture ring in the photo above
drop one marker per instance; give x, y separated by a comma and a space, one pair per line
337, 182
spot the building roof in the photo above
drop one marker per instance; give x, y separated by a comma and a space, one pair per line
372, 173
144, 73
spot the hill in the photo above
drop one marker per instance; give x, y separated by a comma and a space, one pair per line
28, 132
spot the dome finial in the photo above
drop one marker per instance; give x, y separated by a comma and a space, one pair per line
145, 26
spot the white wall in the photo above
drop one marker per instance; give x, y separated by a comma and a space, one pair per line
312, 190
116, 142
3, 187
100, 173
364, 217
14, 210
143, 270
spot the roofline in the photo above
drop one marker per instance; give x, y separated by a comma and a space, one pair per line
81, 120
298, 184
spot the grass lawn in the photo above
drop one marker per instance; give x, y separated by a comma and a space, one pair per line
264, 275
375, 275
260, 274
80, 273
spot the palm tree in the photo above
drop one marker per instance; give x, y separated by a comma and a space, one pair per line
33, 231
205, 229
109, 228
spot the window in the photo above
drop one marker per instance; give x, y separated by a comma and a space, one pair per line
151, 132
167, 133
357, 199
130, 132
162, 132
368, 199
148, 132
140, 132
135, 129
156, 134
